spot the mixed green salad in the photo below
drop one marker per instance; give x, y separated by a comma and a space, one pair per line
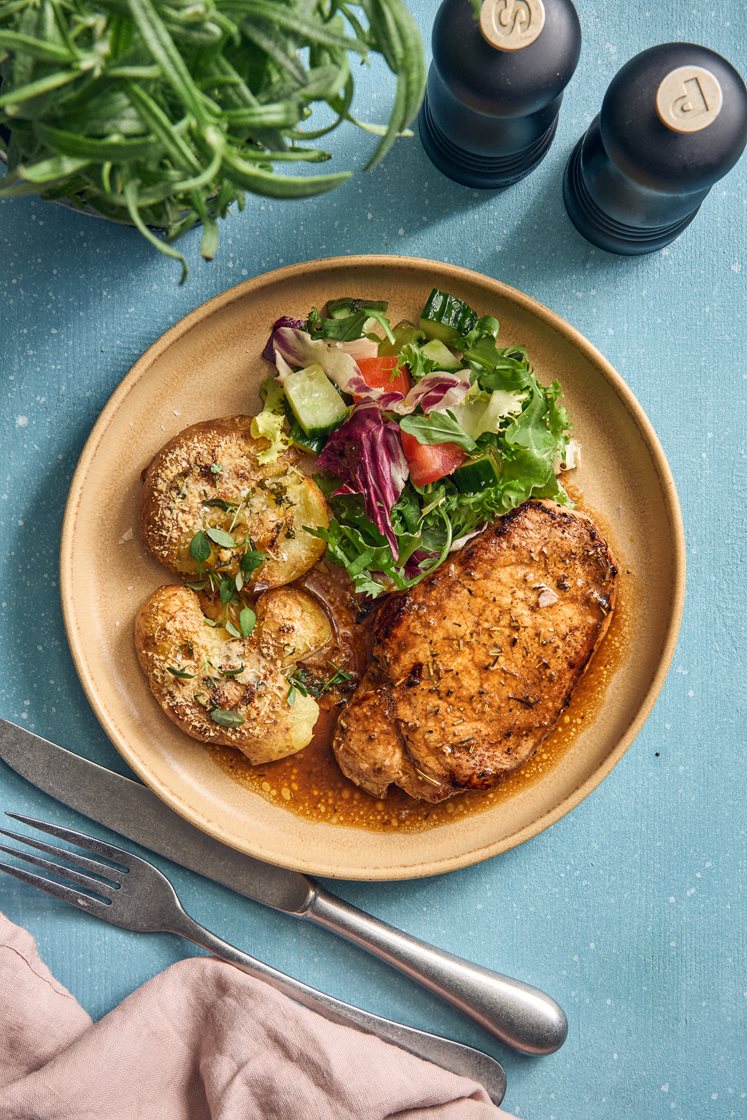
423, 432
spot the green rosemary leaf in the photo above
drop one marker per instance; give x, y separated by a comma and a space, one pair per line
131, 198
36, 48
180, 673
163, 50
35, 89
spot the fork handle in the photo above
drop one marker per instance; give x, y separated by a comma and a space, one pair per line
454, 1056
521, 1016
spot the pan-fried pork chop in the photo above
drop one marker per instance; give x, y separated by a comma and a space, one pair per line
472, 668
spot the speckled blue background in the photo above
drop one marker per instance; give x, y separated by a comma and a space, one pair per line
630, 910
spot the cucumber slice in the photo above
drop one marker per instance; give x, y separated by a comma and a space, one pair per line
314, 401
298, 436
437, 352
446, 318
342, 308
476, 474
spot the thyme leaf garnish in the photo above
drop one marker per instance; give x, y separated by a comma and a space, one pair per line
199, 548
227, 718
250, 561
247, 621
221, 538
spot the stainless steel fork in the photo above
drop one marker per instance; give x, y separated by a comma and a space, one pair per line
131, 893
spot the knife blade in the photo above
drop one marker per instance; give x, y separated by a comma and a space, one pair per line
521, 1016
132, 810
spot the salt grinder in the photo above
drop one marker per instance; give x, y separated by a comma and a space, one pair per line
673, 122
495, 87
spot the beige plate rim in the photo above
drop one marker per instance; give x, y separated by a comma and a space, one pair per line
192, 321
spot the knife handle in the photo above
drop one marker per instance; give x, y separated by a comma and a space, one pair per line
519, 1015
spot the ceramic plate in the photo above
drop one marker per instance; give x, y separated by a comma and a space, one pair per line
209, 365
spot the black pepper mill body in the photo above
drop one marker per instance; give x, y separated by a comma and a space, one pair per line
495, 87
673, 122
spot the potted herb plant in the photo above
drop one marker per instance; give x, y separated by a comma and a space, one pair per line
165, 113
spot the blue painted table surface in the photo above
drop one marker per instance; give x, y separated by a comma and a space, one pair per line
631, 909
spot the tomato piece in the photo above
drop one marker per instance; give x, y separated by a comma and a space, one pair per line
377, 373
430, 461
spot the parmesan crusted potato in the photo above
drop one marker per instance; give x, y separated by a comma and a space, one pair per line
233, 691
210, 478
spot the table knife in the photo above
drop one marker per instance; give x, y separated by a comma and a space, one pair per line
519, 1015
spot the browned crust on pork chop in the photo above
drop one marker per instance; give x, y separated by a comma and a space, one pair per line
472, 668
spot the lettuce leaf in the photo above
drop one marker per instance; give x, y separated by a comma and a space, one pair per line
270, 426
270, 423
437, 427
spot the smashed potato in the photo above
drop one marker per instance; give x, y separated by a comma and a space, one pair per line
249, 517
233, 691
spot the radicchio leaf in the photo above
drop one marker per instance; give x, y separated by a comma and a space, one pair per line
297, 349
283, 321
436, 390
420, 557
359, 348
366, 454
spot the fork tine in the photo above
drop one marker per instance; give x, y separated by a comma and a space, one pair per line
91, 843
104, 869
68, 873
79, 899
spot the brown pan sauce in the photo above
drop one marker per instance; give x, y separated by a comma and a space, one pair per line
312, 785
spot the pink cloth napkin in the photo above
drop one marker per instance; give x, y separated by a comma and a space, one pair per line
201, 1041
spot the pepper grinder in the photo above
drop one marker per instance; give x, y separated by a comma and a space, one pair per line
673, 122
495, 87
